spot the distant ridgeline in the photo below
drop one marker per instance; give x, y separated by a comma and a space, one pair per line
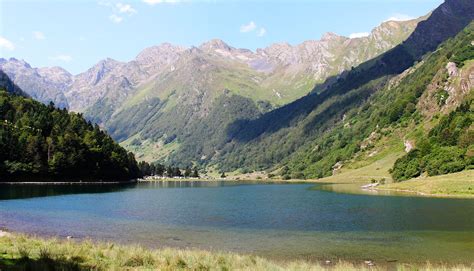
40, 143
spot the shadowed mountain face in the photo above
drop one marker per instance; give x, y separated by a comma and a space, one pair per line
445, 22
280, 133
7, 84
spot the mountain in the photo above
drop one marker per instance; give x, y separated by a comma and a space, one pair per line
201, 90
169, 93
46, 143
43, 84
9, 86
318, 133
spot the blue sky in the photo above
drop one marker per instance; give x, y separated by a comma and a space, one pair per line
77, 34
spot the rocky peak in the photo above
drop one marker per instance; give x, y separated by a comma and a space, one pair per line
215, 44
99, 70
329, 36
159, 52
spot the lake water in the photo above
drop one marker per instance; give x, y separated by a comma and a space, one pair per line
282, 221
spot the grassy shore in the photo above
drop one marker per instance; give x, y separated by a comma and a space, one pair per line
459, 184
21, 252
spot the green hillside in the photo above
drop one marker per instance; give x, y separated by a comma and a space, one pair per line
43, 143
374, 101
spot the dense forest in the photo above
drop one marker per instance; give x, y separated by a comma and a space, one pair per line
40, 142
448, 147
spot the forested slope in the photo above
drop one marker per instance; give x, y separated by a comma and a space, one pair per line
43, 143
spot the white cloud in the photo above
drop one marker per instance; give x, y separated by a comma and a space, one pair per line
359, 35
154, 2
115, 18
63, 58
125, 8
261, 32
400, 17
248, 27
8, 45
38, 35
105, 3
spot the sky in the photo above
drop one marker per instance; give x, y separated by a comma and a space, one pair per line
76, 34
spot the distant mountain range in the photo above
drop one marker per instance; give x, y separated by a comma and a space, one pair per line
229, 108
195, 78
279, 73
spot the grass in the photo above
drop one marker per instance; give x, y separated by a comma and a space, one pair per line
459, 184
21, 252
148, 150
376, 170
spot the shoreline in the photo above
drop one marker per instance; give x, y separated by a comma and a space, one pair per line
381, 188
427, 195
69, 183
404, 192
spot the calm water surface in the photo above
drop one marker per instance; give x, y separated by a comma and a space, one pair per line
272, 220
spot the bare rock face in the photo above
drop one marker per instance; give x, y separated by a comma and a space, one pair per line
43, 84
408, 145
452, 69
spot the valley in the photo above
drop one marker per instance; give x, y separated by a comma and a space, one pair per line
349, 152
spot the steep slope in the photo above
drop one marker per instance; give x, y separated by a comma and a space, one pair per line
305, 128
190, 87
43, 84
183, 89
9, 86
43, 143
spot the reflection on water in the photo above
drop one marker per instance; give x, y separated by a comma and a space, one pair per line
23, 191
355, 188
276, 220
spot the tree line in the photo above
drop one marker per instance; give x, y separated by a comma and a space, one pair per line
157, 169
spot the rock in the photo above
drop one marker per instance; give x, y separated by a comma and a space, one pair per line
408, 145
4, 234
452, 69
337, 166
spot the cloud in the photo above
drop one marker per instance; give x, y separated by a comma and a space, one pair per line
63, 58
115, 18
8, 45
125, 8
154, 2
261, 32
38, 35
248, 27
359, 35
105, 3
400, 17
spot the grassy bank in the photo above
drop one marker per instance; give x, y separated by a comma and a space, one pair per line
21, 252
459, 184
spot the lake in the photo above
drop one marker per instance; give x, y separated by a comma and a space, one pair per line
280, 221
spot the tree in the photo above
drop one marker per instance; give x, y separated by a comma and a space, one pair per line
187, 172
195, 173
